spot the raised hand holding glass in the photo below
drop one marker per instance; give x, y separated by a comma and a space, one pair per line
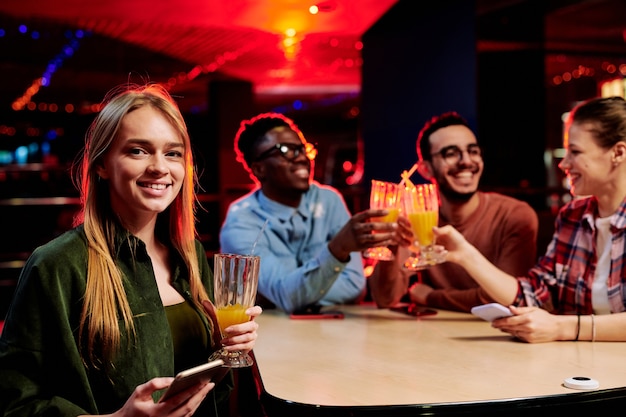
384, 195
421, 207
236, 278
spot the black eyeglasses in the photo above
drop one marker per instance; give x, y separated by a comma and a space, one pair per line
290, 151
453, 154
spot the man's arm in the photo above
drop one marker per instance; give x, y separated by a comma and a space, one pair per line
515, 238
389, 282
282, 280
288, 282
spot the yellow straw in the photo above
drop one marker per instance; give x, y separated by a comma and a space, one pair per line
406, 175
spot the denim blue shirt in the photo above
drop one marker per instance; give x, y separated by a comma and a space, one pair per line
297, 269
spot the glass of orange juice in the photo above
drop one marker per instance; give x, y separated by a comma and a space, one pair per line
421, 207
384, 195
236, 279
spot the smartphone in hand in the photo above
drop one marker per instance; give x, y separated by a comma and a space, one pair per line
491, 311
212, 371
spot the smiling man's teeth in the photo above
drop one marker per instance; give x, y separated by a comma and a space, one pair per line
464, 175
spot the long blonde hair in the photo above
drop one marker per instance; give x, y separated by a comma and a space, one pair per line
106, 304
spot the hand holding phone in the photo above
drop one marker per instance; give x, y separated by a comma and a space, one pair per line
212, 371
491, 311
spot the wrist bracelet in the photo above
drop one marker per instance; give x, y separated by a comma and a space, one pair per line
593, 329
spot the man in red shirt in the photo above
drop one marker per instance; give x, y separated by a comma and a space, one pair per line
502, 228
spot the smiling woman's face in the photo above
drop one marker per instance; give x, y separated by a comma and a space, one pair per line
145, 165
586, 164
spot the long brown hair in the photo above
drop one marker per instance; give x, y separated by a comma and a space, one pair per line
106, 304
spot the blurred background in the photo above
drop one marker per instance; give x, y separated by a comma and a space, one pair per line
359, 78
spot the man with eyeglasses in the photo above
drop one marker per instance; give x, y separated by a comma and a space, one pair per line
310, 246
504, 229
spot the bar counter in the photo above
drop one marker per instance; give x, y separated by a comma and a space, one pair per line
379, 362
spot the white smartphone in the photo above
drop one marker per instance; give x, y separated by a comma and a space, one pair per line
211, 371
491, 311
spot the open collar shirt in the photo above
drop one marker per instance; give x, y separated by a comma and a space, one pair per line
562, 280
297, 269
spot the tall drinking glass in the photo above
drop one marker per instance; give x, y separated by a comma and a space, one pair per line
236, 278
384, 195
421, 206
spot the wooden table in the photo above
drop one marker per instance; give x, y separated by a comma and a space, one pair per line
379, 362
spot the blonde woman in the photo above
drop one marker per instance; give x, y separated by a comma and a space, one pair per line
108, 312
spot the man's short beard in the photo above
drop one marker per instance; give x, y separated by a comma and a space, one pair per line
455, 197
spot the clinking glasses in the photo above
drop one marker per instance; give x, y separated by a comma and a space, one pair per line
290, 151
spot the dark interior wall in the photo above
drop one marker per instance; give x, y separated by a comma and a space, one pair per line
222, 178
512, 118
230, 102
442, 56
419, 60
512, 96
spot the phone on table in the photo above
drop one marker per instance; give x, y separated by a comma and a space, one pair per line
491, 311
315, 312
321, 315
413, 310
212, 371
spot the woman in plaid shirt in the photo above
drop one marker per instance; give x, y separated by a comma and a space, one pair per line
577, 290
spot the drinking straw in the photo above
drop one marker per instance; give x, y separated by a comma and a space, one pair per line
259, 236
406, 174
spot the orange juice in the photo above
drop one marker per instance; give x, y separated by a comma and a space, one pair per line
231, 314
422, 224
389, 218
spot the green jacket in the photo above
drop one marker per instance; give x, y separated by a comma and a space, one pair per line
41, 370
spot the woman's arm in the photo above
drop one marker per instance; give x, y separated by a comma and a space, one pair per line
500, 286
